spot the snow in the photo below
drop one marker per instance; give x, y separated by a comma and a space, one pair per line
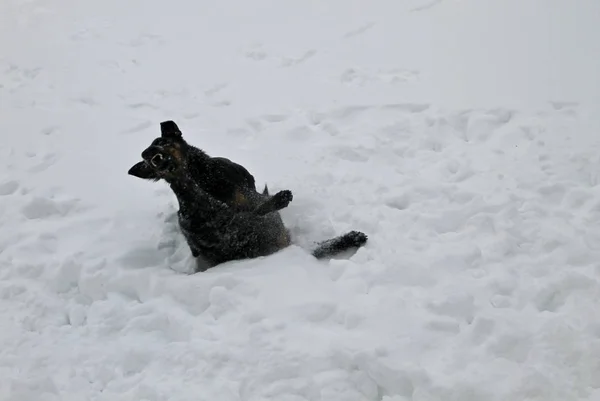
461, 136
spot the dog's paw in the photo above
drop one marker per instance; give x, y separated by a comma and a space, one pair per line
356, 238
283, 198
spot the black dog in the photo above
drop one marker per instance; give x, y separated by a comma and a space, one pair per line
221, 214
223, 179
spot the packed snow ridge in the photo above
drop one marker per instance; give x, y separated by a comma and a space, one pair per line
462, 137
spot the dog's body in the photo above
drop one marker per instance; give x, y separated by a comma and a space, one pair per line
219, 233
221, 214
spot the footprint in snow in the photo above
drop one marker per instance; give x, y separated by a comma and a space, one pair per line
65, 276
257, 53
514, 347
215, 89
406, 107
577, 198
553, 193
359, 31
426, 5
41, 208
142, 105
8, 188
482, 330
292, 61
362, 77
483, 126
554, 296
49, 130
445, 326
399, 202
563, 105
316, 312
274, 118
137, 128
458, 306
47, 161
352, 155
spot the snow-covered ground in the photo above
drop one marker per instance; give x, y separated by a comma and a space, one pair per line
462, 136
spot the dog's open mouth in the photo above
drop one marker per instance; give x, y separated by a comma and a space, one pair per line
157, 160
142, 169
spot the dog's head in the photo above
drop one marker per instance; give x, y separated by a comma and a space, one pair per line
164, 158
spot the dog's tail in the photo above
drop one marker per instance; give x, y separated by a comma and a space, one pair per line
266, 190
341, 243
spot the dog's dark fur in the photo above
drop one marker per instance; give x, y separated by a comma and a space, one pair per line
221, 214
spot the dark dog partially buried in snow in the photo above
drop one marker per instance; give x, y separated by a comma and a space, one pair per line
221, 214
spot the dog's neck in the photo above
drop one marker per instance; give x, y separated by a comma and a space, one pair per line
198, 155
192, 199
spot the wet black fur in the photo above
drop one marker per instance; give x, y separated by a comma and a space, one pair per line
221, 214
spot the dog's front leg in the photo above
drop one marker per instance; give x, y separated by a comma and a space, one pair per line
277, 202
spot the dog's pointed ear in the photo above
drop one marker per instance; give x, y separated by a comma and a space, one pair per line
169, 129
143, 170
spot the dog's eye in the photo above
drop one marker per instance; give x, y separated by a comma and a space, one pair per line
157, 160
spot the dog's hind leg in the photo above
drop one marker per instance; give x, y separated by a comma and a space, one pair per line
330, 247
277, 202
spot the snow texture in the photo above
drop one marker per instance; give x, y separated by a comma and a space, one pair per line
462, 136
